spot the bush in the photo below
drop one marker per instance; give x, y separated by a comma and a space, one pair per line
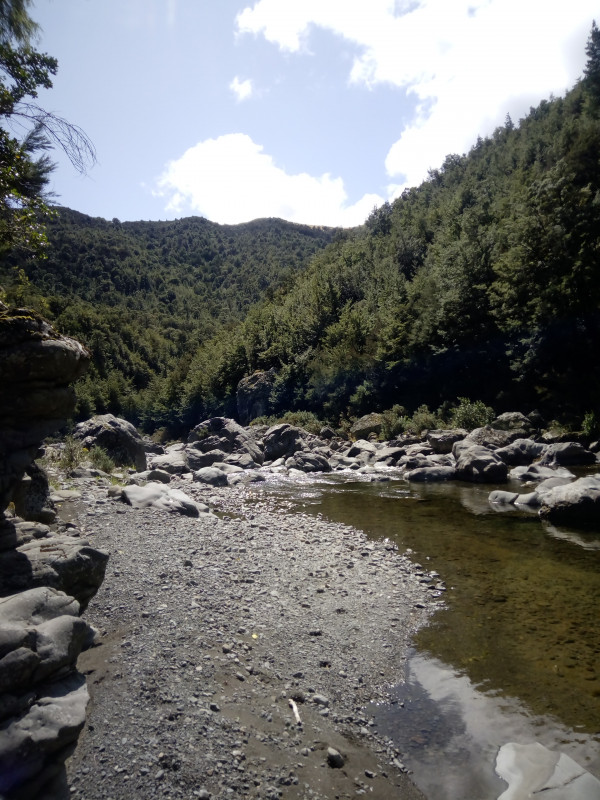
393, 422
101, 460
422, 420
471, 415
72, 455
590, 425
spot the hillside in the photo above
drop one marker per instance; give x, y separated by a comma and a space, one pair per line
142, 295
483, 282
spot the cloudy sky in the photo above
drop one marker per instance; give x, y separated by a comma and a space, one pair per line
311, 110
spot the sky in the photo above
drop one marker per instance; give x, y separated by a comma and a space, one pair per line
315, 111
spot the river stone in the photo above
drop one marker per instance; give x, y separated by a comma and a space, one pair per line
535, 472
442, 440
29, 741
478, 464
222, 433
567, 454
503, 498
576, 503
173, 461
430, 474
492, 438
363, 427
159, 495
118, 437
198, 459
62, 562
533, 770
308, 462
520, 452
211, 476
283, 440
513, 421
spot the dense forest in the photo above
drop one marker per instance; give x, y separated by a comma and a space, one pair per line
482, 282
143, 296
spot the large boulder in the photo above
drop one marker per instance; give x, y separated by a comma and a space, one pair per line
576, 503
118, 437
567, 454
173, 461
283, 440
254, 395
159, 495
62, 562
478, 464
442, 441
37, 366
493, 438
31, 496
308, 462
221, 433
520, 452
513, 421
369, 424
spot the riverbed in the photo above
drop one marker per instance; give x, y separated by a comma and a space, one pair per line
514, 654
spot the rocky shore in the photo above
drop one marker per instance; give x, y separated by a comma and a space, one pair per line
218, 633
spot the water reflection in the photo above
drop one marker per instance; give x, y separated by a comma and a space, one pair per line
521, 615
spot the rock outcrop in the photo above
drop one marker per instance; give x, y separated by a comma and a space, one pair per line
254, 395
37, 366
118, 437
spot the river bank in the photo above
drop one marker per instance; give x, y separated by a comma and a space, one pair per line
209, 627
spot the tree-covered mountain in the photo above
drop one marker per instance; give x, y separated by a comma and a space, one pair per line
143, 295
483, 282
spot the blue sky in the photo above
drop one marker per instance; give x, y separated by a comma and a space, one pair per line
310, 110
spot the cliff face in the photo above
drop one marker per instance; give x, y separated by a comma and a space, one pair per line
37, 366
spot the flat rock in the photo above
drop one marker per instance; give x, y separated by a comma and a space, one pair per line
159, 495
533, 770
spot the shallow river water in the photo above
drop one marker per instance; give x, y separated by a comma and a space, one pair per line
515, 653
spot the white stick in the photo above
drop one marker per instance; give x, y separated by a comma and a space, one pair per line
294, 708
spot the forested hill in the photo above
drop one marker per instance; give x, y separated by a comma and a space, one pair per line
143, 295
483, 282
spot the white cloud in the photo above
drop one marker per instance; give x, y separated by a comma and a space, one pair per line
468, 62
242, 89
229, 180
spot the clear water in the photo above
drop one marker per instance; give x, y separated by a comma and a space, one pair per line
515, 653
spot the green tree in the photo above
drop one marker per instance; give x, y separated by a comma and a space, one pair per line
27, 131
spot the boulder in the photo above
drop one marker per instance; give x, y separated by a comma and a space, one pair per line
363, 450
536, 472
213, 476
196, 458
429, 474
221, 433
442, 441
118, 437
513, 421
172, 461
369, 424
283, 440
532, 770
567, 454
254, 395
62, 562
388, 455
37, 738
502, 498
576, 503
31, 496
478, 464
308, 462
37, 366
493, 438
159, 495
520, 452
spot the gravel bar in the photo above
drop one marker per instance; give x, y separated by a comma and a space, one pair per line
218, 633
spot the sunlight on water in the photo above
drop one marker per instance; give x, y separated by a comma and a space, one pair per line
518, 637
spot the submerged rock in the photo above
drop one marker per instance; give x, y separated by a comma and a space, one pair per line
531, 770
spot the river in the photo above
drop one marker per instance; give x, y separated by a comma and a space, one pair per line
514, 654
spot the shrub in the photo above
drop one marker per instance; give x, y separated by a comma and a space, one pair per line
423, 419
471, 415
72, 455
393, 422
590, 425
101, 460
